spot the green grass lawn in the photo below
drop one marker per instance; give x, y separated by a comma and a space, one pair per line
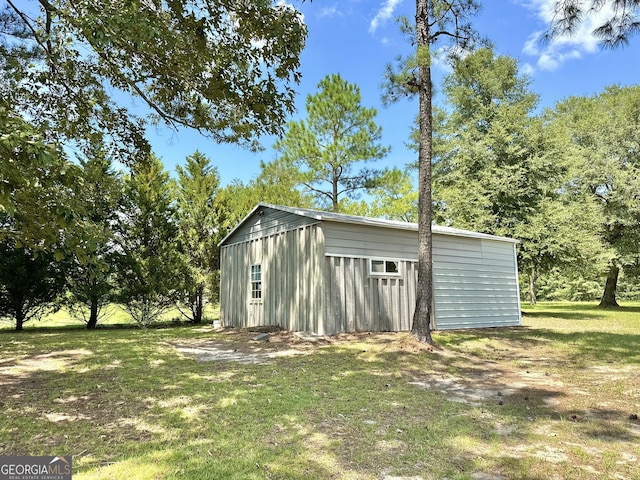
113, 316
551, 399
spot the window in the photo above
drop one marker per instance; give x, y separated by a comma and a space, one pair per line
256, 282
384, 267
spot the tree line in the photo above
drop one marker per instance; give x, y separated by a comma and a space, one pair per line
564, 181
142, 240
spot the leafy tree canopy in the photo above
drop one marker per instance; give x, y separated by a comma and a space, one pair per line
394, 196
224, 68
501, 170
37, 185
91, 277
148, 265
604, 133
198, 231
30, 283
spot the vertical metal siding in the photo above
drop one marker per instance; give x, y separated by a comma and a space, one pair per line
267, 222
291, 276
357, 301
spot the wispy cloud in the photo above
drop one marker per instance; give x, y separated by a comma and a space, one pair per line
527, 69
385, 12
329, 12
551, 54
442, 58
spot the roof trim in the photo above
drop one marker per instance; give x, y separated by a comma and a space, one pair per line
373, 222
241, 222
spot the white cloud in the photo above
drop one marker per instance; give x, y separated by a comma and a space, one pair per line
551, 54
527, 69
443, 56
384, 13
330, 12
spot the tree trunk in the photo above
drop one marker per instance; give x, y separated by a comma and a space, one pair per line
421, 328
93, 315
19, 321
197, 315
334, 191
532, 287
609, 295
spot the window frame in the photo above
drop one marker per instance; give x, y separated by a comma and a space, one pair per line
256, 292
385, 263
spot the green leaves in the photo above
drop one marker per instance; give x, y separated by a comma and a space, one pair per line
488, 175
37, 184
394, 197
605, 140
198, 231
438, 20
223, 68
148, 264
501, 170
92, 276
326, 147
30, 282
564, 183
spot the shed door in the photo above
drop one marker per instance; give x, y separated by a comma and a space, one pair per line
256, 304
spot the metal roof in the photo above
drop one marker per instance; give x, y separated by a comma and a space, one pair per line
373, 222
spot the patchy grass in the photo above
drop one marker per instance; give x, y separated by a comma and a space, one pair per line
552, 399
113, 317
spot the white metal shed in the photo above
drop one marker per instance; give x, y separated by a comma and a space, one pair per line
328, 273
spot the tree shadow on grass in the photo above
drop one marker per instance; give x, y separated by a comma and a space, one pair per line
577, 311
32, 329
588, 346
132, 406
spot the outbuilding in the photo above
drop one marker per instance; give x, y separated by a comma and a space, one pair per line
329, 273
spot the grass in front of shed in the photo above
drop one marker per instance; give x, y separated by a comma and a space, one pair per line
127, 404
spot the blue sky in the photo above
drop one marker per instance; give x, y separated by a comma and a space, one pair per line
357, 38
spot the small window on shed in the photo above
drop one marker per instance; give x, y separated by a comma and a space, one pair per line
256, 282
384, 267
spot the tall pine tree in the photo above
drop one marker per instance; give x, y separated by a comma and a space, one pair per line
435, 21
330, 146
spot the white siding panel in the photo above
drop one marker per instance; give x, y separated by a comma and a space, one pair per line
479, 291
363, 241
